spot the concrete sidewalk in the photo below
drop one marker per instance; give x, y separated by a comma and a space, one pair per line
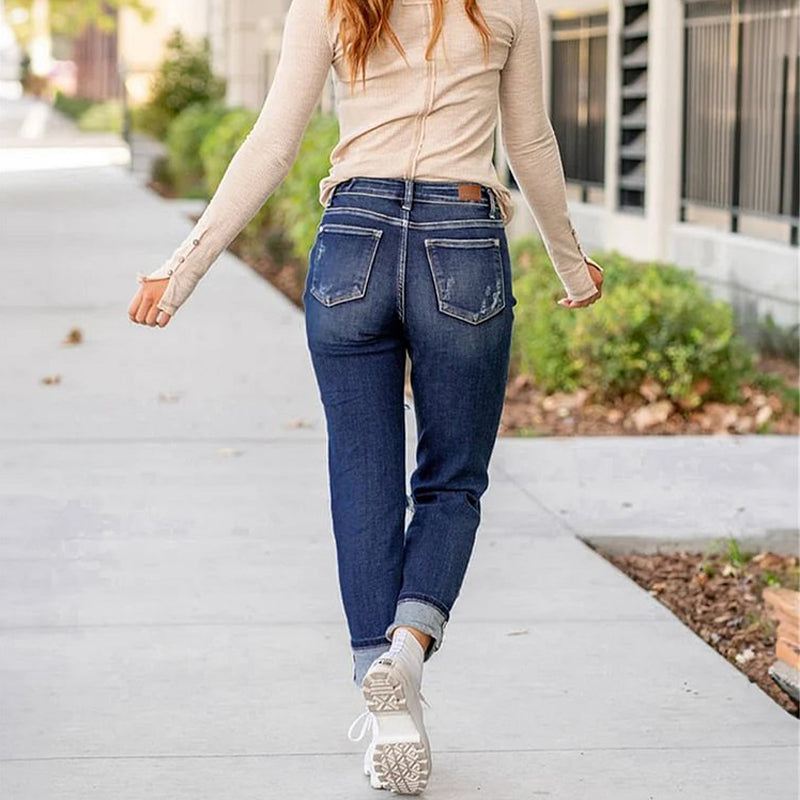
170, 623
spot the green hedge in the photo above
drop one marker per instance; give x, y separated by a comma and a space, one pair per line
91, 115
184, 139
654, 321
72, 107
102, 117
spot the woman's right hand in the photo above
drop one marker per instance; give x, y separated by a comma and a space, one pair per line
596, 273
144, 306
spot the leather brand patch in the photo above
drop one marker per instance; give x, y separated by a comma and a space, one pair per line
469, 191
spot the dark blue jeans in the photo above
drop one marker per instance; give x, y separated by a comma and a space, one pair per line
402, 265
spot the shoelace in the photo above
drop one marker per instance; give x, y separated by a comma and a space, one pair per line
368, 721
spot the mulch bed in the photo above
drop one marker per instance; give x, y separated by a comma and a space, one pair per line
529, 411
720, 599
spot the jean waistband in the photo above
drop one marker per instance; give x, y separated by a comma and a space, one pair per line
410, 189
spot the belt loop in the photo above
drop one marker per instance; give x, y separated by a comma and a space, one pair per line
492, 204
408, 194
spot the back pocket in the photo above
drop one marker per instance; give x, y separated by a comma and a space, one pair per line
468, 277
340, 262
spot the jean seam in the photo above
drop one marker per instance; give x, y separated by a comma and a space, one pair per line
448, 224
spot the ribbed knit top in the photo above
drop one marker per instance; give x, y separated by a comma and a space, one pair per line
429, 120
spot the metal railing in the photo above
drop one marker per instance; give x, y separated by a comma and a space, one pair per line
740, 117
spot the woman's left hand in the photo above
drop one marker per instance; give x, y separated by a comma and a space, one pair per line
596, 273
143, 308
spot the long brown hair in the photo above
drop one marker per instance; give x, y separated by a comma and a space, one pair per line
365, 23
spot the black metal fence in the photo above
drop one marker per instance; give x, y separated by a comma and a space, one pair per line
741, 100
578, 95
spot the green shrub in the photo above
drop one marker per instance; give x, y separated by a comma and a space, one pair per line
72, 107
185, 136
296, 201
541, 335
183, 78
142, 119
105, 116
91, 115
655, 321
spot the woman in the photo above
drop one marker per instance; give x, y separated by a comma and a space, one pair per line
410, 257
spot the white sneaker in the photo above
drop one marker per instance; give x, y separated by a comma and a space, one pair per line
369, 723
401, 751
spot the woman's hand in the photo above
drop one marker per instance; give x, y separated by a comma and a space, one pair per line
596, 272
143, 308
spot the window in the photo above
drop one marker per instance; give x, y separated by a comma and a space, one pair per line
578, 95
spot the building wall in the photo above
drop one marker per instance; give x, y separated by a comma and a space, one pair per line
246, 38
246, 42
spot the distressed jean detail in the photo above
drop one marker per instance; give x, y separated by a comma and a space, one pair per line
403, 270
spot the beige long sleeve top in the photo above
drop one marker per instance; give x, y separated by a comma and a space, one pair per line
429, 120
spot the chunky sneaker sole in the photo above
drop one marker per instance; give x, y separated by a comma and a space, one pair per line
401, 758
374, 781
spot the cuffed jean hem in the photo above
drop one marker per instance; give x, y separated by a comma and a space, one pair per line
363, 658
422, 615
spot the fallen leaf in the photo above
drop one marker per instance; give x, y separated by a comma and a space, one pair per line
298, 422
75, 336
